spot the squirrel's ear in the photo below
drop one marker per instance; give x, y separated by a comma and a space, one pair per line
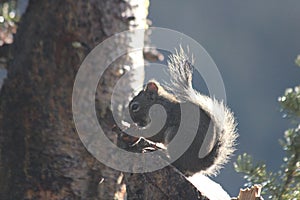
151, 87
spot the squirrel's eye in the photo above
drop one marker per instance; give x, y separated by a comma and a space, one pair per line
135, 106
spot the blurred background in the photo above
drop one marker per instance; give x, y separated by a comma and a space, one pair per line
254, 44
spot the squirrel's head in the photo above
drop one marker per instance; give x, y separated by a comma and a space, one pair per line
140, 105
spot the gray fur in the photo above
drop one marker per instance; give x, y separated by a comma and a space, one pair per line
216, 134
223, 120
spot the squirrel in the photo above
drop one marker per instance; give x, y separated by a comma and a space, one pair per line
219, 145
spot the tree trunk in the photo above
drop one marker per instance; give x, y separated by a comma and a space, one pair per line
41, 155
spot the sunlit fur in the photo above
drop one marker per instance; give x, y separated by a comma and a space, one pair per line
181, 86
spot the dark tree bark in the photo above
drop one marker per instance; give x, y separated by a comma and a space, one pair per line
41, 154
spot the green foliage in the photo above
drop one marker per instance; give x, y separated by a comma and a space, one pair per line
284, 184
8, 19
8, 12
297, 61
290, 102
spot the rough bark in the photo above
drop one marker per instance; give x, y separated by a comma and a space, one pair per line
41, 154
166, 183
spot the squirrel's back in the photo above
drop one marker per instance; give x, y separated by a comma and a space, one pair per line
222, 118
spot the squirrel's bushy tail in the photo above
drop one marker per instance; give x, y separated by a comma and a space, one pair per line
181, 70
